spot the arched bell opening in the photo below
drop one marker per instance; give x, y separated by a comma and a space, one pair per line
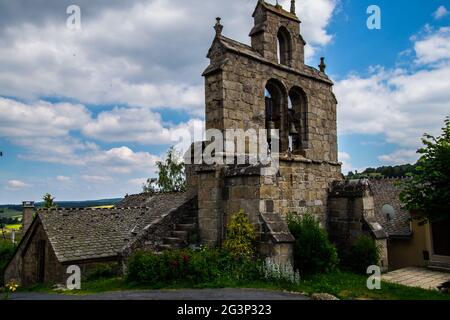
297, 120
275, 101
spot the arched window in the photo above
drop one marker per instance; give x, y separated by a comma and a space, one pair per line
275, 100
297, 120
284, 46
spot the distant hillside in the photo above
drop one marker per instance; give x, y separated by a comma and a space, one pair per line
9, 208
385, 172
10, 213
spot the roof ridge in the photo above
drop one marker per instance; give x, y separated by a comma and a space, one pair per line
389, 178
91, 209
153, 193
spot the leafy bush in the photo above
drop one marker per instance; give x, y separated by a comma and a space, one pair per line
200, 266
241, 236
7, 250
313, 252
361, 254
102, 271
148, 267
273, 271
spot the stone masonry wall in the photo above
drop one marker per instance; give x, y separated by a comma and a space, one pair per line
264, 35
352, 215
23, 268
235, 83
241, 105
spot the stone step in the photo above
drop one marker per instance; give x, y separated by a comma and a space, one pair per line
184, 235
444, 267
185, 227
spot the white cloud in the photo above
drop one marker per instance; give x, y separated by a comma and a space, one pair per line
345, 158
399, 157
16, 185
139, 56
315, 16
63, 179
434, 47
97, 179
124, 160
400, 104
138, 125
40, 119
150, 54
138, 182
440, 12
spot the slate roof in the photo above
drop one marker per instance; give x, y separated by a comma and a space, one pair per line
385, 191
83, 234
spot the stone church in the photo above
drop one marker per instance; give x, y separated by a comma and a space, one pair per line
264, 86
268, 86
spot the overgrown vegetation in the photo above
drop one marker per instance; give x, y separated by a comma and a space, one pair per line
235, 261
313, 251
361, 254
171, 176
49, 201
241, 236
428, 191
102, 271
6, 253
190, 266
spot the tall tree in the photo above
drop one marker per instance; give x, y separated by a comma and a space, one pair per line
428, 190
171, 176
49, 201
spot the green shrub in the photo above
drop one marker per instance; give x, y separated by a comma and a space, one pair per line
313, 252
102, 271
241, 236
363, 253
149, 267
200, 266
7, 250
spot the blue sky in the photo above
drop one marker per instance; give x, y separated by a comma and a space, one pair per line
85, 114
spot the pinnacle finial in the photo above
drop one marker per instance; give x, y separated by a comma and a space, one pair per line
293, 6
322, 65
218, 26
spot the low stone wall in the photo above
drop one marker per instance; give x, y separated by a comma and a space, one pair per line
352, 215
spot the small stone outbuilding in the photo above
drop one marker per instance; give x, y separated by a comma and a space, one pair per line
58, 238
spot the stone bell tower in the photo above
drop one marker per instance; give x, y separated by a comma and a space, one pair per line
276, 35
262, 86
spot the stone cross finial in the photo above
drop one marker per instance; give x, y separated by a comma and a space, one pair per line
322, 65
293, 6
218, 26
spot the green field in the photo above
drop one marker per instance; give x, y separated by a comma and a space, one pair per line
13, 226
9, 213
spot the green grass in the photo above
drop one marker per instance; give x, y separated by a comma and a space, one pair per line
341, 284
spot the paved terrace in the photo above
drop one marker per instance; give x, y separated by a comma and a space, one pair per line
417, 277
